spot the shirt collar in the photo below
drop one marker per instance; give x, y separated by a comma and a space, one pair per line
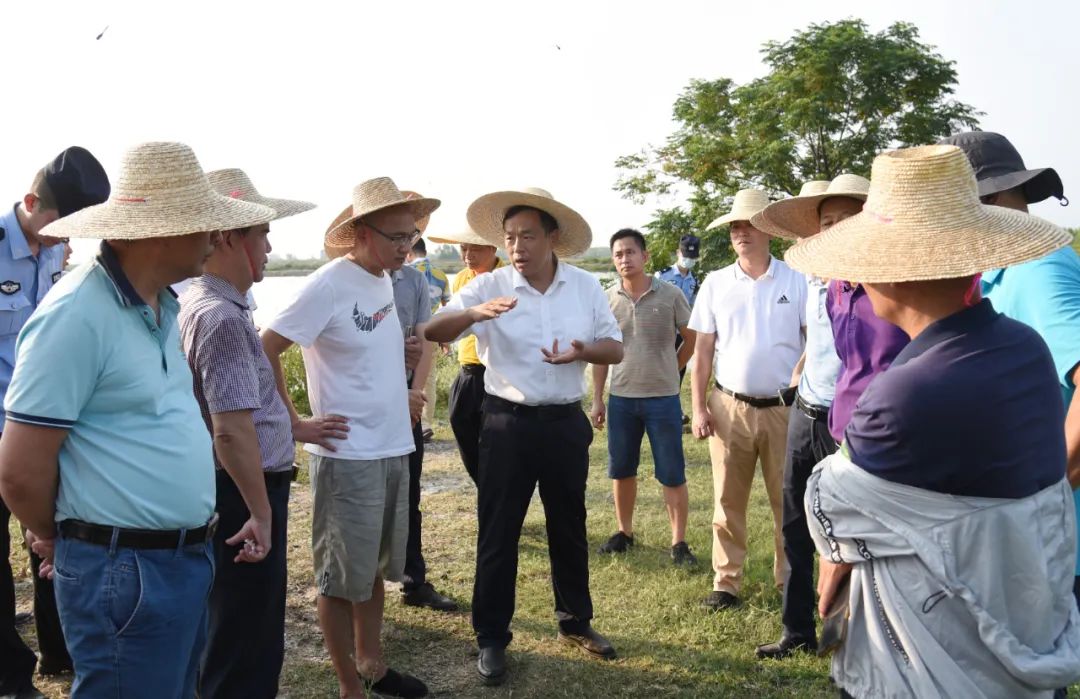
521, 282
960, 323
992, 277
740, 274
654, 284
223, 288
125, 292
16, 237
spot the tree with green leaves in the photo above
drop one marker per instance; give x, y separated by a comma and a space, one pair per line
835, 96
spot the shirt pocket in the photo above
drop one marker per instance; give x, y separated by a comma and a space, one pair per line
14, 310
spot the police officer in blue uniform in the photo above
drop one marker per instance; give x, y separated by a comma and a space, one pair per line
29, 265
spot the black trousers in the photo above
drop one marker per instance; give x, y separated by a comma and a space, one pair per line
520, 448
17, 661
415, 567
246, 638
466, 412
808, 442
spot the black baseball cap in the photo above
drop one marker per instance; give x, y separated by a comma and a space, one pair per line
690, 246
998, 167
77, 180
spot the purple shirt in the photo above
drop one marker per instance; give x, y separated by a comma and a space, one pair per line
230, 368
866, 345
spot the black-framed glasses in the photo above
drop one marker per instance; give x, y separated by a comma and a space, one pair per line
398, 239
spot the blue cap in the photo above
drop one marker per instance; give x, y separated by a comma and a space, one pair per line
77, 180
690, 246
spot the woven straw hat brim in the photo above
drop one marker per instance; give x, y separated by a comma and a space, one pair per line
486, 214
341, 235
235, 184
797, 217
284, 207
867, 248
465, 237
338, 250
134, 220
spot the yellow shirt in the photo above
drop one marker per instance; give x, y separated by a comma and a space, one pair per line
466, 350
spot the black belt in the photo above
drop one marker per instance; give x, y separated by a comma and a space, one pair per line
138, 538
472, 369
494, 404
814, 412
782, 397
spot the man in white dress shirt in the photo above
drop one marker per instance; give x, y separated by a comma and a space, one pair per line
750, 318
537, 322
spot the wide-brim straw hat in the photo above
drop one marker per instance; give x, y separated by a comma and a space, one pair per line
747, 202
335, 251
372, 196
421, 222
161, 192
465, 236
798, 217
923, 220
234, 183
486, 216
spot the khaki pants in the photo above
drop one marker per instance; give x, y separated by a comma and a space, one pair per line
742, 435
428, 418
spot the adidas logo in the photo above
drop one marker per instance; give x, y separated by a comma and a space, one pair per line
783, 299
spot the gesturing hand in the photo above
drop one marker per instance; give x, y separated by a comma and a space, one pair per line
574, 354
321, 430
255, 537
492, 309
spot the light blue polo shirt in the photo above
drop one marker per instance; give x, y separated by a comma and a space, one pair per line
1045, 294
24, 281
818, 383
94, 360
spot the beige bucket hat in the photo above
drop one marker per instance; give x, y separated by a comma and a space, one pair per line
747, 202
369, 197
465, 236
812, 187
161, 192
234, 183
486, 215
923, 220
797, 217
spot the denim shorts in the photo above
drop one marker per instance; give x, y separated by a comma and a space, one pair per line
628, 420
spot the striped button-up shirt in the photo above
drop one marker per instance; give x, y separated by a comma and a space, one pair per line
230, 368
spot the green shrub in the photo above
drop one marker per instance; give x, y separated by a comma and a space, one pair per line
296, 379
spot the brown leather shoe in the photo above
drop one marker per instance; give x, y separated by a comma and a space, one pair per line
589, 641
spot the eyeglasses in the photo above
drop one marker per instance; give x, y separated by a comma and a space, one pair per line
399, 240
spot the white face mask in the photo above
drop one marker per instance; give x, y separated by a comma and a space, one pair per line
686, 263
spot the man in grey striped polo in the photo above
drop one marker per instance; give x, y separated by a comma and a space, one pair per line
253, 451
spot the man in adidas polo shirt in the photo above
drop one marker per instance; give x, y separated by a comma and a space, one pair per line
750, 320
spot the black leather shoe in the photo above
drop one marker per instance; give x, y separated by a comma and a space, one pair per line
618, 543
786, 646
395, 684
720, 600
589, 641
47, 667
427, 596
492, 666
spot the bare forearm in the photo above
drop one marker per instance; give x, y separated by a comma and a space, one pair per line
686, 351
1072, 438
605, 351
699, 378
274, 346
447, 326
599, 378
427, 359
237, 448
29, 474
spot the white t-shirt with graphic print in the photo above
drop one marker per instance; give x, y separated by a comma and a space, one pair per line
346, 324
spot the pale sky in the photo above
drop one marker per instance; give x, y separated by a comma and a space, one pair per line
455, 99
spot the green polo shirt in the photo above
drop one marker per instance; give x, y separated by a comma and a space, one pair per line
93, 360
650, 367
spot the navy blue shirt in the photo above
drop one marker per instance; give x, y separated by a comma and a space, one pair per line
971, 406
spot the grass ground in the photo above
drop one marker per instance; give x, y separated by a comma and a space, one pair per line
668, 647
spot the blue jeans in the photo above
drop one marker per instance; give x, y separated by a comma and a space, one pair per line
628, 420
134, 619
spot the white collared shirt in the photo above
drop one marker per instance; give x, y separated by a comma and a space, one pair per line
573, 308
758, 326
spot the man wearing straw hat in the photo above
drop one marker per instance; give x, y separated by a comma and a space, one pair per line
253, 452
104, 450
537, 323
1043, 293
953, 529
346, 321
815, 210
749, 318
412, 302
466, 400
30, 263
